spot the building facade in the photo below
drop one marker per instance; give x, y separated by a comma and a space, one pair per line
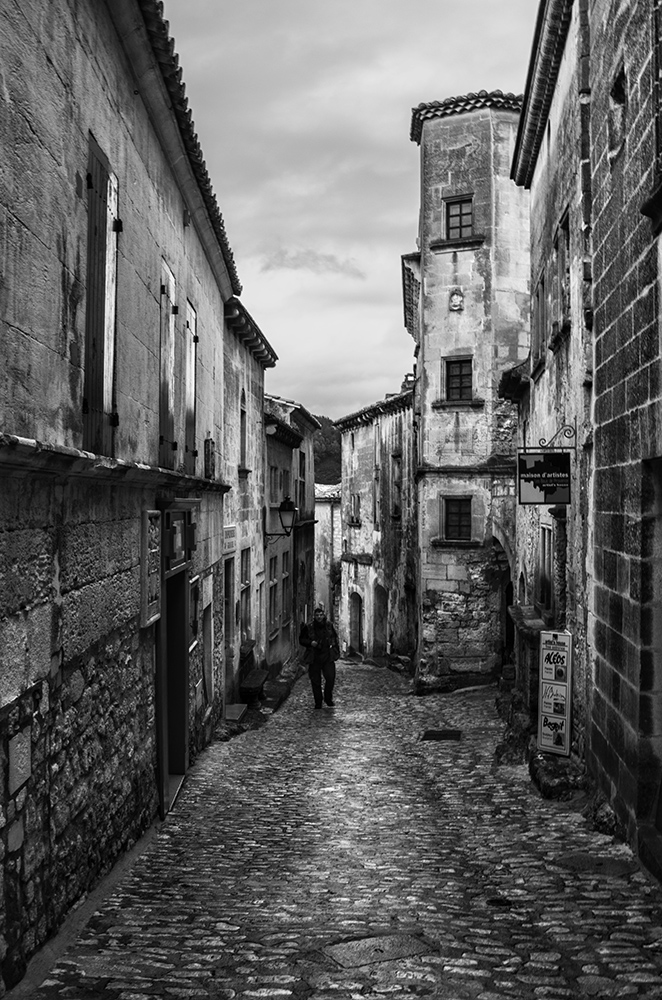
118, 331
289, 559
328, 547
247, 355
554, 387
466, 298
590, 149
378, 517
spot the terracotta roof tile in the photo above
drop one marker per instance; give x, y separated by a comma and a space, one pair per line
461, 106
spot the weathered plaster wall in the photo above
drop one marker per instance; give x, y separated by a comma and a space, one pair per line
328, 549
56, 57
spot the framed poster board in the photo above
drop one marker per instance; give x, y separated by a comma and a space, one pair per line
543, 477
555, 692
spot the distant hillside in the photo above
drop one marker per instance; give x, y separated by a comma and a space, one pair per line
327, 452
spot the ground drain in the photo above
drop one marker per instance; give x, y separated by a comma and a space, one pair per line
442, 734
367, 951
596, 864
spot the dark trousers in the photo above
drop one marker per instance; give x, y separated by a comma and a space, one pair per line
318, 670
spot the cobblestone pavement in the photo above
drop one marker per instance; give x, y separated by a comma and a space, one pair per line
335, 854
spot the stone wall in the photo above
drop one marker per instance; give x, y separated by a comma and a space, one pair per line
626, 738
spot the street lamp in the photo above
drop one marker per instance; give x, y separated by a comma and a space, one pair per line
287, 513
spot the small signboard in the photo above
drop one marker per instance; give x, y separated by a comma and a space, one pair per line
543, 477
229, 537
555, 692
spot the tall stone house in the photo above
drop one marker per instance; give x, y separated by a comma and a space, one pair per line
466, 302
378, 520
590, 150
328, 547
247, 355
289, 560
554, 386
130, 412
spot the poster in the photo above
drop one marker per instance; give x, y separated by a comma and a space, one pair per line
555, 692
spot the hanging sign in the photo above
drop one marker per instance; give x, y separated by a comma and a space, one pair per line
543, 477
555, 692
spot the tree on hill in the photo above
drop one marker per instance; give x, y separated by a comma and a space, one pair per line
327, 452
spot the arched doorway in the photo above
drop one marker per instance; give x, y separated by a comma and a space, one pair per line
379, 621
355, 623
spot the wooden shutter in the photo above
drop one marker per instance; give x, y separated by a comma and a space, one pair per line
167, 443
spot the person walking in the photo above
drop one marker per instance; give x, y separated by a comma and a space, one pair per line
322, 650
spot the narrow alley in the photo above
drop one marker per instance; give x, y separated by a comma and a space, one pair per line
337, 854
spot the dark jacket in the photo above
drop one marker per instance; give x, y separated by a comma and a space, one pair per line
327, 650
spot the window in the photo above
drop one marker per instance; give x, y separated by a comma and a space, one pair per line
274, 484
190, 386
376, 499
459, 219
273, 594
243, 433
457, 519
545, 560
539, 324
396, 486
245, 598
459, 376
287, 483
287, 587
228, 598
355, 508
617, 110
302, 481
103, 226
167, 443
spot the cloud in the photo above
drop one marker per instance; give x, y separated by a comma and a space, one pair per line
310, 260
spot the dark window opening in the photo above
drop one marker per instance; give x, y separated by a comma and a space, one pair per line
459, 219
459, 380
457, 519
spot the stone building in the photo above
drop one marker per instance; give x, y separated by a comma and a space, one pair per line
118, 321
378, 516
289, 560
466, 300
553, 387
247, 354
328, 547
590, 149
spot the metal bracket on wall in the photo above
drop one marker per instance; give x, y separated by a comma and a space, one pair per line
569, 432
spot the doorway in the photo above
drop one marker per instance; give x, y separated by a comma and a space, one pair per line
380, 619
173, 689
356, 623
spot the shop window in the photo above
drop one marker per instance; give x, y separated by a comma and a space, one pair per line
545, 567
457, 518
459, 219
103, 227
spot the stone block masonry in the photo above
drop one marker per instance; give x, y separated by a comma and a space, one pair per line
78, 784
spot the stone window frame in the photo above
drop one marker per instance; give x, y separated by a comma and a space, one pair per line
446, 503
471, 401
453, 231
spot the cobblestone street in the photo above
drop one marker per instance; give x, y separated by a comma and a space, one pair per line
335, 854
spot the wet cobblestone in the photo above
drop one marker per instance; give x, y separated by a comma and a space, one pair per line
336, 855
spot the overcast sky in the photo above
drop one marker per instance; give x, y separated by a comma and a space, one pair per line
303, 109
